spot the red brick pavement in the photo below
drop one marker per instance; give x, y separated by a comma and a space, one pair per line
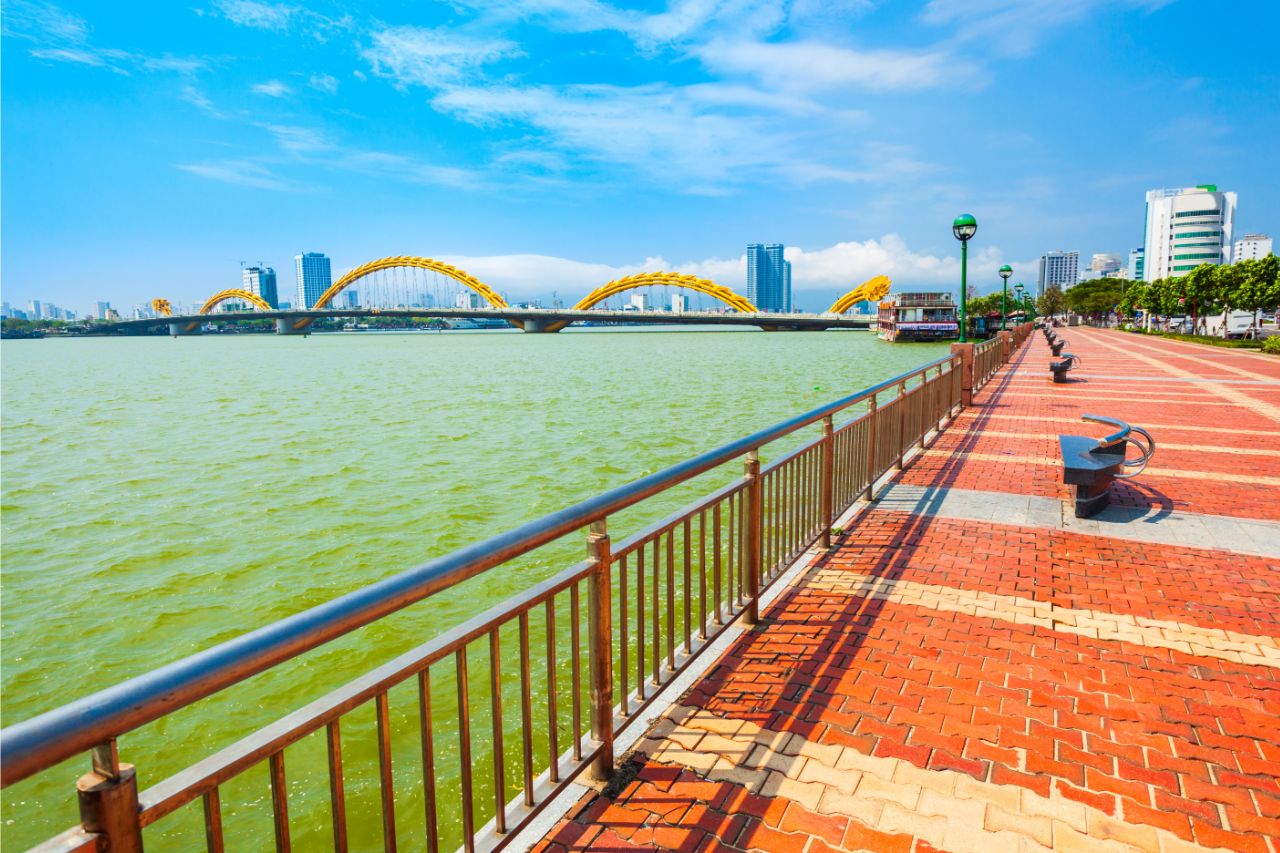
934, 683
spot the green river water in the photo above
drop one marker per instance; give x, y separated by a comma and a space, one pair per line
162, 495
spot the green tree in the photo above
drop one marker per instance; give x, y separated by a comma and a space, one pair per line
1051, 302
1094, 299
1133, 297
1200, 289
1257, 285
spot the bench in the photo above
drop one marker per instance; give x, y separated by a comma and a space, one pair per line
1059, 369
1092, 464
1056, 345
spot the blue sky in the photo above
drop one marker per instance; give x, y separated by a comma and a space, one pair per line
555, 144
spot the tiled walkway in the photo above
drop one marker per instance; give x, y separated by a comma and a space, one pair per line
972, 668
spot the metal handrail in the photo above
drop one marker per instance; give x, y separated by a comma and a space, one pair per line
38, 743
1123, 436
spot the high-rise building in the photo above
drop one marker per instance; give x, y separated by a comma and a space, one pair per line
5, 311
768, 277
679, 303
351, 298
34, 310
1251, 247
1186, 228
261, 282
1103, 265
1060, 269
640, 301
314, 277
104, 310
1135, 264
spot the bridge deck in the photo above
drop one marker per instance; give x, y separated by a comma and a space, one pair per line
972, 668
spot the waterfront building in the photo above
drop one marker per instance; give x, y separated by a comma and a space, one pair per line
286, 306
1060, 269
768, 277
351, 298
1251, 247
1135, 264
313, 275
5, 311
1186, 228
468, 300
679, 303
104, 311
261, 282
34, 310
640, 301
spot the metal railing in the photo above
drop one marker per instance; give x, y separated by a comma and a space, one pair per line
653, 602
988, 357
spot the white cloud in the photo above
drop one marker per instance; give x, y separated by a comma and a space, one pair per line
39, 21
244, 173
326, 83
273, 89
698, 139
263, 16
1015, 27
427, 57
811, 66
63, 37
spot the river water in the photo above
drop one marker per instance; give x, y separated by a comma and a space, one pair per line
163, 495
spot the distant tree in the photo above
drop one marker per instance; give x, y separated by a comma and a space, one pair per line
1134, 297
1200, 292
1256, 285
1051, 302
1094, 299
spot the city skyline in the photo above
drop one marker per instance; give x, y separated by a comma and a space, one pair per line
195, 137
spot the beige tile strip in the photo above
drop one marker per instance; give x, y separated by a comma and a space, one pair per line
1151, 471
975, 415
1163, 445
946, 808
1249, 649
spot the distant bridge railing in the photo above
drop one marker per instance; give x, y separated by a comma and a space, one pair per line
653, 602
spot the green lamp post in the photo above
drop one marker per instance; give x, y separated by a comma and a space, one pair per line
1017, 288
964, 228
1005, 272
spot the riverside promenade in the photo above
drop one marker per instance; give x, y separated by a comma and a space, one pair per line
972, 668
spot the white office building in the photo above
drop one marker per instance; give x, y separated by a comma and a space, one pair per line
1135, 264
640, 301
1251, 247
261, 282
1186, 228
314, 278
679, 303
1059, 269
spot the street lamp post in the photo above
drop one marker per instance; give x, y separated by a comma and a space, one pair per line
1017, 288
964, 227
1005, 272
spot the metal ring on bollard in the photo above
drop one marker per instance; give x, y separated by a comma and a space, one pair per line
1129, 463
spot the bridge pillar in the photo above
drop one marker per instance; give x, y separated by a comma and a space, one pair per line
284, 326
543, 326
184, 328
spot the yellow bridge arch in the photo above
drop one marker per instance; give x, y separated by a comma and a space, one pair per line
162, 307
873, 289
460, 276
224, 295
647, 279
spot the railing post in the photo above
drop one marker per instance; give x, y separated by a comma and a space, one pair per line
926, 391
755, 535
872, 474
902, 423
828, 478
600, 656
1006, 347
965, 351
109, 800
